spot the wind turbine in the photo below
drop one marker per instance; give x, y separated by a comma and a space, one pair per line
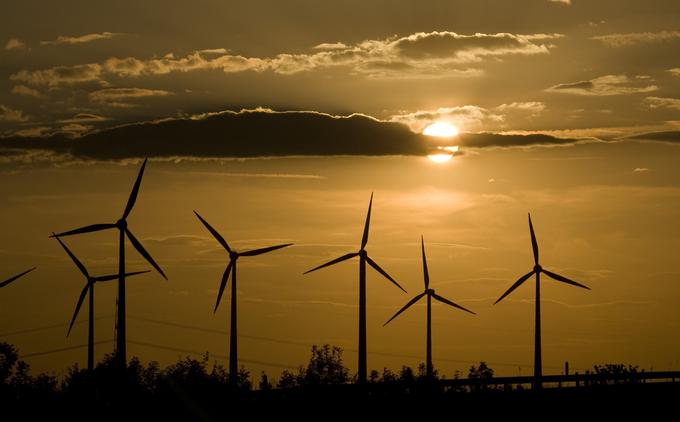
231, 269
89, 287
363, 259
430, 294
538, 371
123, 229
11, 279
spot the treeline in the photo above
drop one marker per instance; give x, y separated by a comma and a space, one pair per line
199, 389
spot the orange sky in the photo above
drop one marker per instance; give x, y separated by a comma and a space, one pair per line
599, 220
277, 121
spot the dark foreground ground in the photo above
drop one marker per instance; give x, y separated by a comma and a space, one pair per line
650, 401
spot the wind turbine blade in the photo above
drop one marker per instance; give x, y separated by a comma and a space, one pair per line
564, 279
86, 229
263, 250
214, 233
79, 264
135, 191
335, 261
143, 252
534, 244
516, 285
426, 274
364, 239
411, 302
448, 302
223, 284
80, 303
9, 280
116, 276
381, 271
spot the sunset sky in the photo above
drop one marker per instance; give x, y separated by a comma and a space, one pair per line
276, 120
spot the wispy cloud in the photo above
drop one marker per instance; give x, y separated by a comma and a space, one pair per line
85, 118
466, 118
640, 170
75, 129
533, 108
36, 131
452, 246
469, 118
15, 44
60, 75
10, 115
628, 39
607, 85
675, 71
565, 2
330, 46
118, 97
82, 38
613, 303
660, 102
259, 175
26, 91
213, 51
422, 55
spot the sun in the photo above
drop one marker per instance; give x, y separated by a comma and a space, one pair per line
443, 154
441, 130
440, 158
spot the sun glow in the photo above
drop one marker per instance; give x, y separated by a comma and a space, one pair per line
441, 130
440, 158
443, 154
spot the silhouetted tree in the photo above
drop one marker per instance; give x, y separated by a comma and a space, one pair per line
290, 380
406, 375
388, 376
19, 389
325, 366
422, 372
481, 373
9, 355
616, 373
264, 384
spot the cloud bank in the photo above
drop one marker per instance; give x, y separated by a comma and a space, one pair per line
424, 54
258, 133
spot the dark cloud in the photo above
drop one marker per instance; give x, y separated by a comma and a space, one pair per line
249, 133
498, 140
261, 132
667, 136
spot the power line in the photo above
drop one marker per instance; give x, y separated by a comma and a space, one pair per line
214, 331
250, 337
194, 352
47, 327
298, 343
63, 349
162, 347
